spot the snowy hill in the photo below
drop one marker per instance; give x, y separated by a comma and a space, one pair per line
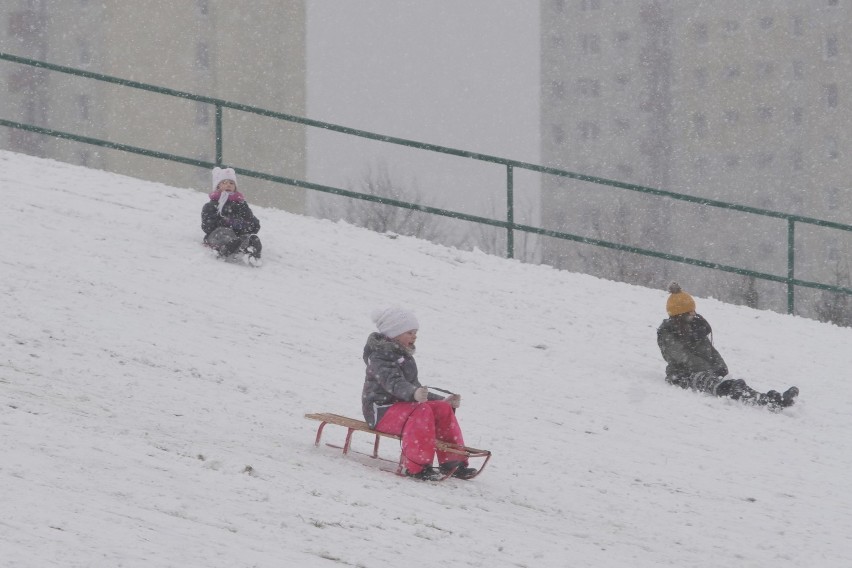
152, 402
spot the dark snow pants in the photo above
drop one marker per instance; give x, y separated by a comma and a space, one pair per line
702, 381
711, 383
226, 242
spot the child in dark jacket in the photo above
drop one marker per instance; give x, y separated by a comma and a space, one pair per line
395, 402
692, 361
228, 223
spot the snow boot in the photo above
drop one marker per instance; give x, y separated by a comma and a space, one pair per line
724, 388
428, 473
458, 469
771, 399
739, 390
252, 251
254, 243
789, 397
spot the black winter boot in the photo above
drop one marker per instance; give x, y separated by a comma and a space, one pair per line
739, 390
428, 473
724, 388
254, 243
458, 469
771, 399
789, 397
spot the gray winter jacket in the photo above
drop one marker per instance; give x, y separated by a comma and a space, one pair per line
391, 377
686, 346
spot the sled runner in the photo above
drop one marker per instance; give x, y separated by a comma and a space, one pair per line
353, 425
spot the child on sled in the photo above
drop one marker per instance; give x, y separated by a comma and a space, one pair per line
228, 223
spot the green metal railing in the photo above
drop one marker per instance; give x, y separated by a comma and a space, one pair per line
509, 224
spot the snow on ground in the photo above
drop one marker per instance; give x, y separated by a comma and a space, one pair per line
152, 402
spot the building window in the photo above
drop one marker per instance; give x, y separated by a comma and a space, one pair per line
699, 125
622, 125
202, 56
559, 6
586, 5
831, 48
700, 32
589, 130
84, 51
732, 161
624, 171
797, 114
730, 26
701, 76
732, 72
84, 107
590, 44
797, 160
763, 160
202, 113
798, 69
764, 113
84, 157
26, 25
831, 95
833, 2
832, 151
557, 89
766, 23
798, 25
622, 79
24, 79
832, 197
764, 69
589, 87
731, 116
621, 38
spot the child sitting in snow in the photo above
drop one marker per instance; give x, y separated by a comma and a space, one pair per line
228, 223
686, 345
395, 402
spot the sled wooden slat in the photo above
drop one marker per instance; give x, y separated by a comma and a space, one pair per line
352, 425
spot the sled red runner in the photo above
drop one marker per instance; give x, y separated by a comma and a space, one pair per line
353, 425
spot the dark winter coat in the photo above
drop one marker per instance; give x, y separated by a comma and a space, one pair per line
236, 215
687, 347
391, 376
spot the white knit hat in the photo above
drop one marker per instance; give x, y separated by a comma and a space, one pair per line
220, 174
393, 322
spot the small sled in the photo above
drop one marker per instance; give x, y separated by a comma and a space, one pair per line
353, 425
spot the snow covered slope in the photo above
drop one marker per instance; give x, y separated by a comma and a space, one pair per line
152, 402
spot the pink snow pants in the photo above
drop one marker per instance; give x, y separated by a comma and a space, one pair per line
419, 424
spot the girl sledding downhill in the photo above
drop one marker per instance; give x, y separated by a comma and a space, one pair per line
395, 402
230, 227
685, 340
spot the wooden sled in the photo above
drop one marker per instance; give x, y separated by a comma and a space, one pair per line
353, 425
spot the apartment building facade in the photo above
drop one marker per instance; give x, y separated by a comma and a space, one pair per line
252, 54
740, 102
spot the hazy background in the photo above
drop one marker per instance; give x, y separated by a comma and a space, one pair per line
457, 74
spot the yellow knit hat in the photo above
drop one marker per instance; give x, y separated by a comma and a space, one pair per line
679, 302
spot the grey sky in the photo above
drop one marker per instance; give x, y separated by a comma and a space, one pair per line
459, 74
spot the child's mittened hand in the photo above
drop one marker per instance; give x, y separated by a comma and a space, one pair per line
421, 394
454, 400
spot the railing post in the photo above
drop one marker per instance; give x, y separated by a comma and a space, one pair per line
510, 212
791, 265
219, 135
